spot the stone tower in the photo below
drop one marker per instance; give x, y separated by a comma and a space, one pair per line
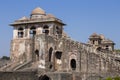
26, 44
41, 50
101, 43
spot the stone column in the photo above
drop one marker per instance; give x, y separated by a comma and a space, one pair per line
15, 33
28, 33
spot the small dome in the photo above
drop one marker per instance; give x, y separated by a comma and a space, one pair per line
23, 18
38, 11
94, 35
108, 41
51, 15
102, 36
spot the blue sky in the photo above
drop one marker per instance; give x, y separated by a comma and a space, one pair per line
83, 17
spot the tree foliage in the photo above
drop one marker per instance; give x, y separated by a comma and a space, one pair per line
5, 58
117, 50
115, 78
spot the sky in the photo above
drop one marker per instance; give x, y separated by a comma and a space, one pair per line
83, 17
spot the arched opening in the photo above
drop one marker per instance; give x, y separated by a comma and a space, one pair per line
32, 32
20, 33
46, 29
99, 41
37, 55
58, 60
45, 77
57, 30
50, 66
58, 55
107, 47
93, 41
73, 64
50, 53
99, 49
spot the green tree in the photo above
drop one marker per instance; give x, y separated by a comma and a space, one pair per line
5, 58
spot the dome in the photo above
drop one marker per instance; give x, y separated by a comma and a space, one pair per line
94, 35
23, 18
102, 36
38, 11
51, 15
108, 41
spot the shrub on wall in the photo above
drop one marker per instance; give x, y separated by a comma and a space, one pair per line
109, 78
115, 78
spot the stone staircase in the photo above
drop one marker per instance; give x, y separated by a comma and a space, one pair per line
22, 65
9, 66
13, 66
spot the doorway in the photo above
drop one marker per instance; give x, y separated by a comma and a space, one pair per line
73, 64
36, 55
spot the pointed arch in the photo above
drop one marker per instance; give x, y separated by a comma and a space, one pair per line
37, 55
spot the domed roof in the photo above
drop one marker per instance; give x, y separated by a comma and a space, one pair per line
102, 36
108, 41
94, 35
23, 18
50, 15
38, 10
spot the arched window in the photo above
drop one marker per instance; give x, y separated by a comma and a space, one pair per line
107, 47
57, 30
20, 32
46, 29
50, 54
58, 54
73, 64
32, 32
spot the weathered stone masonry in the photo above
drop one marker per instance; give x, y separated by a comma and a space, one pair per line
41, 50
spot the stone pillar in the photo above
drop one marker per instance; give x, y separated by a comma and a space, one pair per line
39, 30
15, 33
28, 33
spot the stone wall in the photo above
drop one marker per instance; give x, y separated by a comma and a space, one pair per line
18, 76
21, 50
67, 59
88, 59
